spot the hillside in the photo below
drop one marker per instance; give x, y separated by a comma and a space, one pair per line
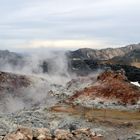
10, 57
132, 58
103, 54
110, 89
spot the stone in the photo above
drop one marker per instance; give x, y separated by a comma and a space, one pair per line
1, 137
63, 135
42, 134
20, 134
85, 131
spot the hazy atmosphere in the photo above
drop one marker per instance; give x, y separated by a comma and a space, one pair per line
68, 23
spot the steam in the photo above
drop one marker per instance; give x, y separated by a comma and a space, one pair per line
32, 64
42, 82
46, 71
11, 104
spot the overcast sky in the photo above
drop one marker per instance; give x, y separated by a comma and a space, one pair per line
68, 23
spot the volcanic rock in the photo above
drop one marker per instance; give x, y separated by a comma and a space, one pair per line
63, 135
21, 133
13, 81
44, 134
111, 88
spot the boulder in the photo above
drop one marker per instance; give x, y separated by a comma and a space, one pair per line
42, 134
63, 135
20, 134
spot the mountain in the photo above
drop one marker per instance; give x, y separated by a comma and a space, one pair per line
81, 62
103, 54
112, 54
132, 58
85, 61
10, 57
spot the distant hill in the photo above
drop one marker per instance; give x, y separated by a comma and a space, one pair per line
82, 61
103, 54
132, 58
12, 58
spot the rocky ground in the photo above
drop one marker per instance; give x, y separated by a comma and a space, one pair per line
104, 106
11, 82
38, 118
45, 134
111, 90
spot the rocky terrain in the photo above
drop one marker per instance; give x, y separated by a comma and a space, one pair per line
86, 94
13, 81
76, 110
111, 90
45, 134
85, 67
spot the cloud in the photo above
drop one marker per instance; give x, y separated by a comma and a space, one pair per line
60, 44
112, 21
64, 44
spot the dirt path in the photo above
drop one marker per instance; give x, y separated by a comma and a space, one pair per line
108, 116
118, 124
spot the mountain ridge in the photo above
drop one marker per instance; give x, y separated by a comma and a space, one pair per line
102, 54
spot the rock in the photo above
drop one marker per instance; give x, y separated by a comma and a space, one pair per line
20, 134
1, 137
85, 134
137, 133
85, 131
27, 132
82, 134
13, 136
99, 135
93, 134
111, 90
45, 134
63, 135
118, 75
42, 134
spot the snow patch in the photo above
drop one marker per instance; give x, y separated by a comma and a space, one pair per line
135, 83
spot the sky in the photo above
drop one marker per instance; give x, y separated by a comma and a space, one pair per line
68, 24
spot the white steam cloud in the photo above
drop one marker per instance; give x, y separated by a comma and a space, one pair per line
37, 93
55, 76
